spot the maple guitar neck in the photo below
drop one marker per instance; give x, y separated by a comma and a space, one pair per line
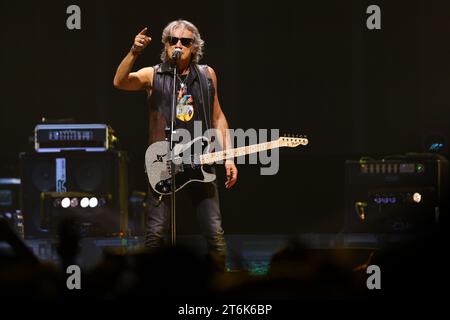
213, 157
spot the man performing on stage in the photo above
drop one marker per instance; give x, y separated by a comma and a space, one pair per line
195, 85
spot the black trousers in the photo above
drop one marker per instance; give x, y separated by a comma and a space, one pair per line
205, 198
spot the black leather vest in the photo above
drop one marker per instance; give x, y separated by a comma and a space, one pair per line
160, 101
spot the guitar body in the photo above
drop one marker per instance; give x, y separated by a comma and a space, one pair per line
187, 168
158, 167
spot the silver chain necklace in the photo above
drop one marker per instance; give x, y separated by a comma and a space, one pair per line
182, 83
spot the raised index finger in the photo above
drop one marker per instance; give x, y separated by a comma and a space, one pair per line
143, 31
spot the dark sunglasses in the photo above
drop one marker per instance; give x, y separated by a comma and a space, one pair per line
184, 41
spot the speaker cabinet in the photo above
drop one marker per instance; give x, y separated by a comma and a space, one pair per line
406, 195
48, 177
9, 203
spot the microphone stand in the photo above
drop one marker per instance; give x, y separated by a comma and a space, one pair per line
172, 164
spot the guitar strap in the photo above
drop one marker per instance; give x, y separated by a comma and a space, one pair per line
203, 75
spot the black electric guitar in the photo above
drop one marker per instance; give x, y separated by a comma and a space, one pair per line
158, 162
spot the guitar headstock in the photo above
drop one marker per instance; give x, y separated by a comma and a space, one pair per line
293, 141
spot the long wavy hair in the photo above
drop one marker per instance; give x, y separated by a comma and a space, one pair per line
197, 44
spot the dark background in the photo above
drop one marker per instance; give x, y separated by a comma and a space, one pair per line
305, 67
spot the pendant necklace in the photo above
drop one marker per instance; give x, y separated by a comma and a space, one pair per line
182, 83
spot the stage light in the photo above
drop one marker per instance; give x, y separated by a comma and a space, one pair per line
65, 202
93, 202
74, 202
417, 197
101, 202
84, 203
57, 203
